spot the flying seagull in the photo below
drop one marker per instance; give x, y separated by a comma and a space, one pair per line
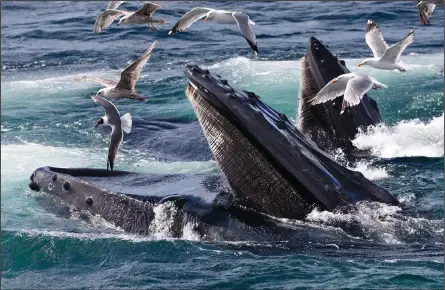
108, 16
142, 16
118, 125
385, 57
426, 8
351, 85
221, 16
125, 88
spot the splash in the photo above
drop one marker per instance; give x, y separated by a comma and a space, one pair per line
379, 222
405, 139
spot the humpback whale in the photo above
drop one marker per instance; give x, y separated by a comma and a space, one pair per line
323, 123
269, 169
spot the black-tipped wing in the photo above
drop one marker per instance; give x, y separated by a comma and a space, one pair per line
189, 18
243, 22
131, 74
374, 39
394, 52
111, 111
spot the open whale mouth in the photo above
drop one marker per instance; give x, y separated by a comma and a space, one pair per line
323, 123
272, 166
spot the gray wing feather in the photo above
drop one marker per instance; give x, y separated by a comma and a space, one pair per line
131, 74
114, 4
189, 18
147, 9
110, 111
243, 23
395, 51
374, 39
330, 92
355, 89
105, 18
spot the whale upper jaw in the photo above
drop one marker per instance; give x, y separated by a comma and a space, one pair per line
323, 123
271, 166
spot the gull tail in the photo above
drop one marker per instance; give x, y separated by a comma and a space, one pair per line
126, 123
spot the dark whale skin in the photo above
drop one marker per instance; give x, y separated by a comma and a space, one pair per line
249, 139
323, 123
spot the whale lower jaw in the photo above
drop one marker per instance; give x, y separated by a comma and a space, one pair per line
258, 183
270, 165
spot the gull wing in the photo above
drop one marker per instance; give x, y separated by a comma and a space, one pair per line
425, 10
394, 52
104, 82
105, 18
243, 23
110, 110
189, 18
331, 91
147, 9
131, 74
355, 89
114, 4
374, 39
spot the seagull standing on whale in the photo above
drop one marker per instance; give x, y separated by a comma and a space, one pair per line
142, 16
351, 85
118, 125
387, 58
125, 88
220, 16
108, 16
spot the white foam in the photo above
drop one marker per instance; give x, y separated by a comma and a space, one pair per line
378, 221
405, 139
21, 159
370, 172
160, 227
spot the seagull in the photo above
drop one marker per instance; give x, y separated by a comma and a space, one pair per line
221, 16
385, 57
108, 16
118, 125
352, 85
426, 9
125, 88
142, 16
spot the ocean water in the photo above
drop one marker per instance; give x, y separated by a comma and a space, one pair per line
46, 119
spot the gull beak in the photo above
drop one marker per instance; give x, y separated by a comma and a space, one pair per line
360, 64
206, 19
334, 81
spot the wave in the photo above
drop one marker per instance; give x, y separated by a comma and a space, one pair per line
404, 139
379, 222
14, 166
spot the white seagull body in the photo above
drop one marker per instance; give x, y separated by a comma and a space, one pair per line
385, 57
118, 125
351, 85
220, 16
125, 88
